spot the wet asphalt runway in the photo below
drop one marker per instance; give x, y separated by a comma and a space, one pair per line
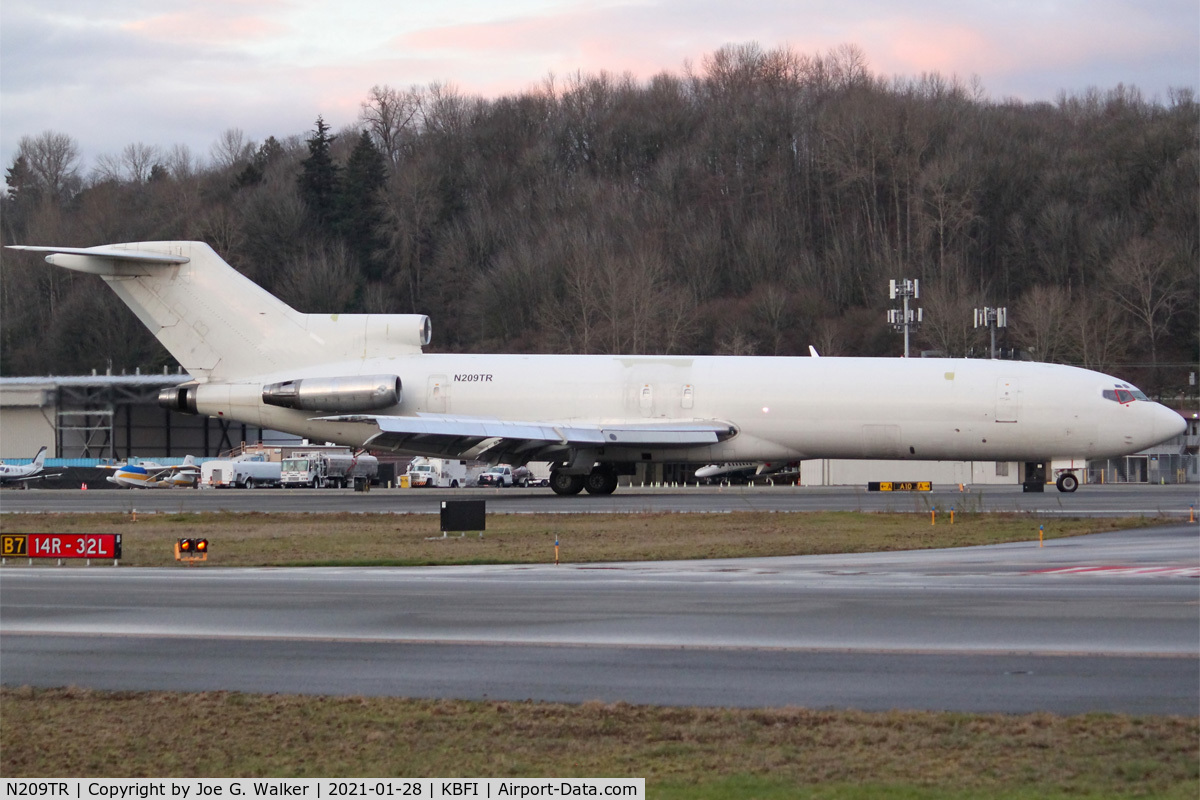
1109, 622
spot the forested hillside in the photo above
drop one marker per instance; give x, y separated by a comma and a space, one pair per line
757, 202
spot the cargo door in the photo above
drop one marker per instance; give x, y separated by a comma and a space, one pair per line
437, 395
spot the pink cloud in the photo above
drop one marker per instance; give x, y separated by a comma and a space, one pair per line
914, 48
206, 26
513, 54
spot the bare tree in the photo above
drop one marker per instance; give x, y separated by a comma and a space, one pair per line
947, 188
947, 323
133, 165
231, 149
182, 164
389, 114
323, 279
1145, 280
444, 109
1100, 331
1041, 323
53, 160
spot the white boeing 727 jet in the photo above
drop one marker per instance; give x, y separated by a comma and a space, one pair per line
362, 380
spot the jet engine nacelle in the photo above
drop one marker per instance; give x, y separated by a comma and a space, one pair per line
351, 393
179, 398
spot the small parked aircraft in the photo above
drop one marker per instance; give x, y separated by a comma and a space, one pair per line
745, 470
33, 471
151, 475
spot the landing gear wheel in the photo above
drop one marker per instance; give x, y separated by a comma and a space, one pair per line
600, 481
565, 484
1067, 482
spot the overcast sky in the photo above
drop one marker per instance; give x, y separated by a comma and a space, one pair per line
167, 72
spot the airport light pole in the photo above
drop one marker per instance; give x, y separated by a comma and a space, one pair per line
993, 318
904, 319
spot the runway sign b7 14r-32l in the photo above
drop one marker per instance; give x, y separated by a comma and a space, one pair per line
60, 545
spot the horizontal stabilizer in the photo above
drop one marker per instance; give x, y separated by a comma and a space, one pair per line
108, 253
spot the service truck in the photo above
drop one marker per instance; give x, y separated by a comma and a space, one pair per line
539, 473
327, 468
504, 475
243, 472
432, 473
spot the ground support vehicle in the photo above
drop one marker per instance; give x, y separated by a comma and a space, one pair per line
432, 473
504, 475
325, 469
243, 472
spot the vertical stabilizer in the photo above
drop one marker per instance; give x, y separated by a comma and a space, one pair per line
222, 326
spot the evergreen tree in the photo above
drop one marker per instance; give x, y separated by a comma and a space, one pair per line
254, 173
21, 199
319, 177
358, 208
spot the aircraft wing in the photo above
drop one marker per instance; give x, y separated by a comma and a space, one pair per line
168, 472
491, 438
38, 476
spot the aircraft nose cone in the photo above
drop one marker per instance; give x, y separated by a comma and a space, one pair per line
1168, 424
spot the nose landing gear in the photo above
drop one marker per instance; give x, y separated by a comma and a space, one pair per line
1067, 482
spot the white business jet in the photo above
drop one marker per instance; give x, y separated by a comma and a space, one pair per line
745, 470
13, 473
362, 380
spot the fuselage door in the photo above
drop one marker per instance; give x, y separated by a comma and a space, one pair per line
1008, 400
646, 400
688, 398
437, 397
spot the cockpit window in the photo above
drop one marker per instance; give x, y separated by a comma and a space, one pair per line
1124, 393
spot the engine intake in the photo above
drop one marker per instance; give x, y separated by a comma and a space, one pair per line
350, 393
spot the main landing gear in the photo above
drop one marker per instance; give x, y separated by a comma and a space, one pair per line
1036, 473
601, 480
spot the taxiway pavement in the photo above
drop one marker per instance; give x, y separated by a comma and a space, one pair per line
1109, 622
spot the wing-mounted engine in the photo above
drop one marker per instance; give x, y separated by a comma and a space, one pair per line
354, 393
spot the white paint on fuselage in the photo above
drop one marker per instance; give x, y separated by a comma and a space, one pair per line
783, 408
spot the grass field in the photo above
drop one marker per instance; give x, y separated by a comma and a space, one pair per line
682, 752
413, 540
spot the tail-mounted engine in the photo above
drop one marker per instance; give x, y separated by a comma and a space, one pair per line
352, 393
179, 398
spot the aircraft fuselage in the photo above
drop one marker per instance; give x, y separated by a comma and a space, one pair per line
781, 408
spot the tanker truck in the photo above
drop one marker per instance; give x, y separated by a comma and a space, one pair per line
319, 469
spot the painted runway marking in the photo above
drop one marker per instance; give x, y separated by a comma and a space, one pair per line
1119, 571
